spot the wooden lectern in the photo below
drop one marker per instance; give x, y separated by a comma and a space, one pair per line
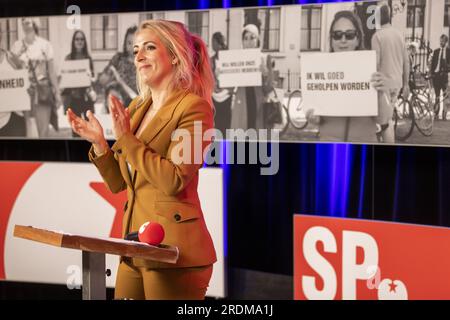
93, 254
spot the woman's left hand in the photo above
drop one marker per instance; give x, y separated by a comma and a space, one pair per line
120, 117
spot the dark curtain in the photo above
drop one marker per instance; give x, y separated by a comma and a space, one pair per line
401, 184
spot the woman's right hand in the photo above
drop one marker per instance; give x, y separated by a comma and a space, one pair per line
90, 129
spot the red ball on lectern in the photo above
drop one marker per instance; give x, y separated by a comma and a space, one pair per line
151, 233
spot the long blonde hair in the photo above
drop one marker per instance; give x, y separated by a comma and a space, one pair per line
193, 69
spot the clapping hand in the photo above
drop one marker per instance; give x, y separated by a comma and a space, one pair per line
120, 117
89, 129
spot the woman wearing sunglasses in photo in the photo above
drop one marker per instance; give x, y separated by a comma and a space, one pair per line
346, 34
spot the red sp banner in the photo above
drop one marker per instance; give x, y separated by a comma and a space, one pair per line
336, 258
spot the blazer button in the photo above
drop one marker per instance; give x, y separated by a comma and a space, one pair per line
177, 217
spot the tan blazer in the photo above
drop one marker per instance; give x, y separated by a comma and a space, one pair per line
158, 189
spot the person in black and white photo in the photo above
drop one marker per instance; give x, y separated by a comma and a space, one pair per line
12, 124
440, 63
346, 34
121, 69
221, 96
36, 54
413, 49
393, 63
79, 100
248, 101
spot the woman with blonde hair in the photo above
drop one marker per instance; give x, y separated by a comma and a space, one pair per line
175, 84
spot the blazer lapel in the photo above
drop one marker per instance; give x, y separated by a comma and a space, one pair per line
163, 116
138, 115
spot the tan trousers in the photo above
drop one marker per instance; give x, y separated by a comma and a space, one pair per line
162, 284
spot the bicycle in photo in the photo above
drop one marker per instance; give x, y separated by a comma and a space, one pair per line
423, 111
413, 112
403, 119
292, 113
418, 110
426, 106
295, 110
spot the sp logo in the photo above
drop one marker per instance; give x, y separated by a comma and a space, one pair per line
355, 259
